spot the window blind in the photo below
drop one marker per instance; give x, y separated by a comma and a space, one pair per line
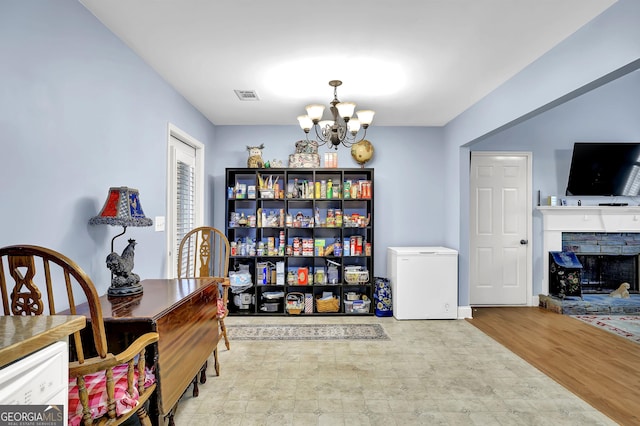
185, 205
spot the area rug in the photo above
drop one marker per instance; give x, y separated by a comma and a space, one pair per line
627, 326
307, 332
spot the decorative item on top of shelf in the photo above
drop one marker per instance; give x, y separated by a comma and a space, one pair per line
306, 147
362, 152
342, 128
306, 155
255, 157
330, 160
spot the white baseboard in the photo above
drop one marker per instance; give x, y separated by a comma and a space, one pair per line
464, 312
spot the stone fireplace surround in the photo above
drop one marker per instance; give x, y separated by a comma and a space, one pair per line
601, 219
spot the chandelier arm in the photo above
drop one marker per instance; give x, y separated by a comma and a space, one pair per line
364, 134
348, 141
322, 140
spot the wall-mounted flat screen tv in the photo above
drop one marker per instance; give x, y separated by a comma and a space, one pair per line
605, 169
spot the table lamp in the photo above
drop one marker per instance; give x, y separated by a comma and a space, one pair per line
122, 208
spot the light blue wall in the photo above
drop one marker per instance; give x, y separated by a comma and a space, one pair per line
80, 112
410, 204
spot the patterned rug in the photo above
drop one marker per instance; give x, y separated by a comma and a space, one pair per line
307, 332
623, 325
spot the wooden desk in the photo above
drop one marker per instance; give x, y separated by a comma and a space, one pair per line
183, 312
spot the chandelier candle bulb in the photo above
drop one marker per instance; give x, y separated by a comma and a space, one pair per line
345, 109
354, 126
365, 117
305, 122
314, 112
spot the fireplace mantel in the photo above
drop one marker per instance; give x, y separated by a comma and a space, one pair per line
556, 220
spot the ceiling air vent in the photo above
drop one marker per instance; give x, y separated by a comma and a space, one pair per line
247, 95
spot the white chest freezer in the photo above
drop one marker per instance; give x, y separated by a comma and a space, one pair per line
41, 378
424, 282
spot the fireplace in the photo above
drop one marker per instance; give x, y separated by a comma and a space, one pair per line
585, 223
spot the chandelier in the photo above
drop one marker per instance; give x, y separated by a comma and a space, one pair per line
343, 128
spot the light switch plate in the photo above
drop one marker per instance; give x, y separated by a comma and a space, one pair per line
159, 221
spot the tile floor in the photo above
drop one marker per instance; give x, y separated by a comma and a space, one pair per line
443, 372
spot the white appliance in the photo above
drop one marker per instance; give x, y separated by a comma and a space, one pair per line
424, 282
41, 378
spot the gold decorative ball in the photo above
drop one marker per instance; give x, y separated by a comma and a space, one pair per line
362, 151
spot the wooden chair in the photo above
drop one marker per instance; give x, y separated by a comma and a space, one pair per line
204, 252
32, 280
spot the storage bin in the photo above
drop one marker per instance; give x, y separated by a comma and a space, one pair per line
357, 306
328, 305
270, 307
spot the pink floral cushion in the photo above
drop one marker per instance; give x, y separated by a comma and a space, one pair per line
222, 309
96, 387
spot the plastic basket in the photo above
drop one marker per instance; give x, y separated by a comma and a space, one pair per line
356, 277
267, 193
357, 306
328, 305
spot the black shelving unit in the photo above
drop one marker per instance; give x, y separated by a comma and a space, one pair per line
301, 231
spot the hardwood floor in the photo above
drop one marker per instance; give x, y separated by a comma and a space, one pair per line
601, 368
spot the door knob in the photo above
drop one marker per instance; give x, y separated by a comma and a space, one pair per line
523, 242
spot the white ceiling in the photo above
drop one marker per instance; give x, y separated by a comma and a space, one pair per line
415, 62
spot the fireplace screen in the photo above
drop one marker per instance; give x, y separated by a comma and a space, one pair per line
605, 273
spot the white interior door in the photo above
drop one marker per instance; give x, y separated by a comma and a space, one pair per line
500, 229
